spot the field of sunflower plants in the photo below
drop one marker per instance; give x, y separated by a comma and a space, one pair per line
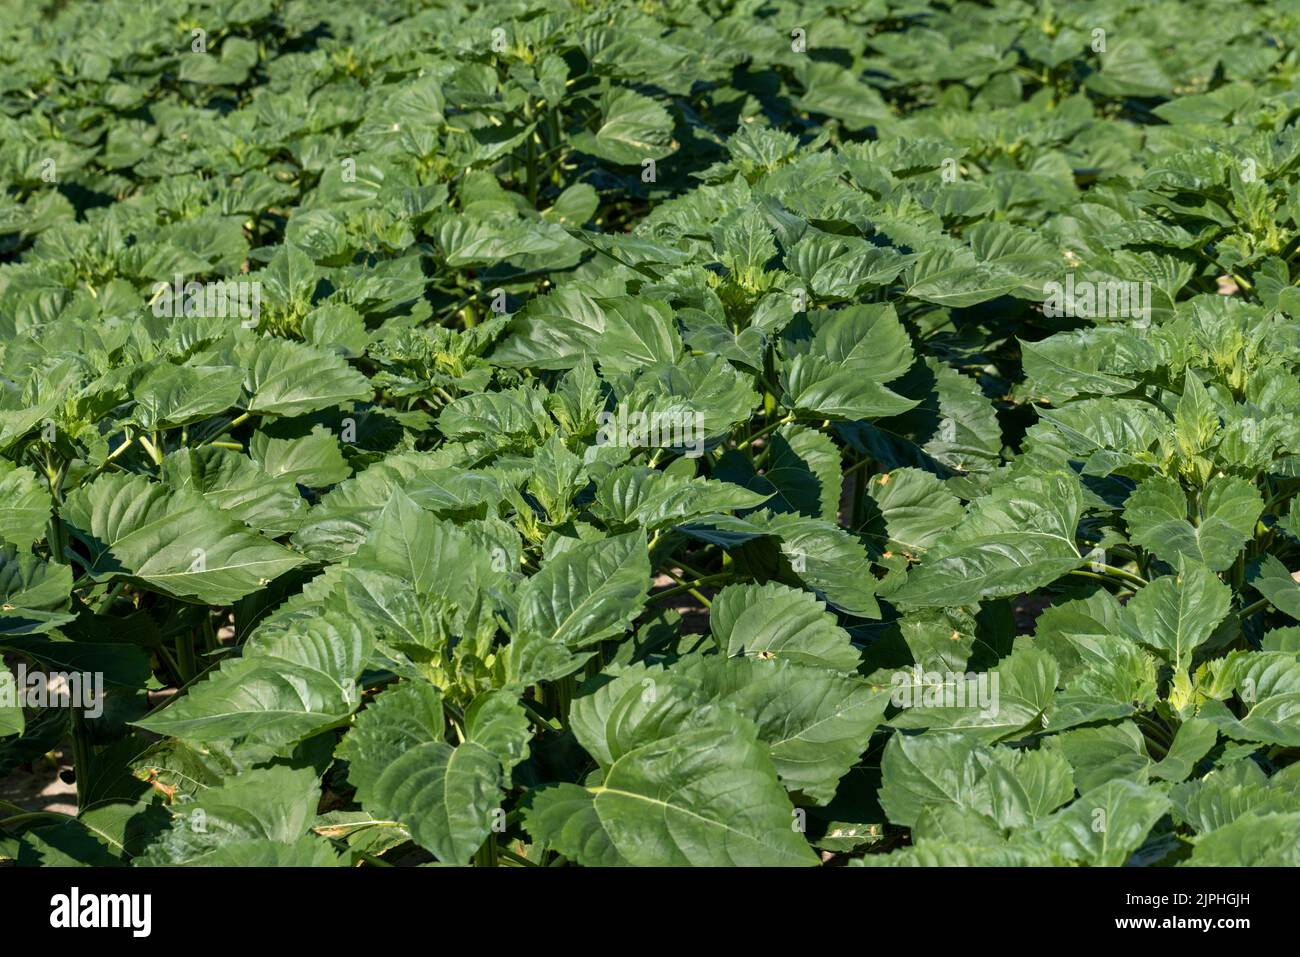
595, 432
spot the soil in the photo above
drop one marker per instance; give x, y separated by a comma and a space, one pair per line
39, 787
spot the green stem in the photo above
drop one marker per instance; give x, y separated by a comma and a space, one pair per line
57, 537
185, 656
1093, 575
150, 446
126, 444
686, 587
113, 594
1120, 573
859, 465
559, 695
29, 816
689, 570
1252, 608
530, 151
233, 423
510, 855
771, 427
690, 590
487, 854
82, 750
167, 658
457, 720
539, 718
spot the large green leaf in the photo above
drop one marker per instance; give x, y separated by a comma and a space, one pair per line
1157, 518
1268, 686
298, 674
34, 595
631, 128
1176, 614
449, 798
1106, 824
256, 808
171, 540
24, 505
1017, 538
774, 621
588, 593
707, 797
289, 378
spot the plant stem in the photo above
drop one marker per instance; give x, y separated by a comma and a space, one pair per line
185, 656
1093, 575
691, 586
233, 423
81, 753
859, 465
510, 855
1120, 573
155, 453
771, 427
563, 694
538, 717
487, 854
107, 603
29, 816
1252, 608
689, 570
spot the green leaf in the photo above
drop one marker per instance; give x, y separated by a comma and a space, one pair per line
920, 771
1104, 753
1106, 824
1157, 518
1274, 582
403, 769
828, 560
841, 375
1027, 786
707, 797
298, 675
1268, 685
289, 378
1176, 614
275, 805
1272, 840
234, 484
178, 395
34, 595
587, 593
171, 540
24, 505
815, 723
631, 128
1193, 741
314, 460
1019, 537
11, 710
776, 621
1013, 696
915, 507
